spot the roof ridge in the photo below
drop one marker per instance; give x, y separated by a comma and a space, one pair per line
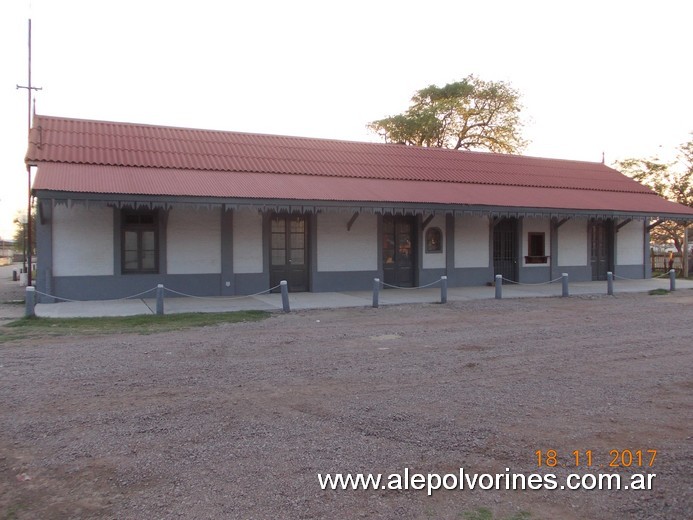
415, 149
211, 130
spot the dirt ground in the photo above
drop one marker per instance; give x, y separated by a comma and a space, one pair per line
236, 421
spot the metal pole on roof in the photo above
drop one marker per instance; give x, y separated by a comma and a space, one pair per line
29, 87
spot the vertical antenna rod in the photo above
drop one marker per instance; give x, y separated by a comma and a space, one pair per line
29, 88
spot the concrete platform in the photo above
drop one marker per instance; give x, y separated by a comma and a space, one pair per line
303, 301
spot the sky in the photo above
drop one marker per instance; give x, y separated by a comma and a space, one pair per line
596, 77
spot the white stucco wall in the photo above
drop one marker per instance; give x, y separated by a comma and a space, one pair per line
572, 243
536, 225
434, 260
471, 241
82, 241
193, 241
247, 242
342, 250
630, 244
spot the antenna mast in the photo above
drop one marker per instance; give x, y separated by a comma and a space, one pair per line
29, 87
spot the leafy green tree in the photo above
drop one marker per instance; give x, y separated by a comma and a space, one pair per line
673, 181
471, 114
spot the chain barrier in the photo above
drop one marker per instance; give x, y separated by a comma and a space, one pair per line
665, 275
537, 283
223, 298
214, 298
409, 288
617, 277
56, 297
77, 301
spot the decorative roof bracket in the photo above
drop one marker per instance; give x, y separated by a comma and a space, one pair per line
654, 224
621, 224
559, 223
352, 220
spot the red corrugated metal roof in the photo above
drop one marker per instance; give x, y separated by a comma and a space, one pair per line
105, 157
130, 180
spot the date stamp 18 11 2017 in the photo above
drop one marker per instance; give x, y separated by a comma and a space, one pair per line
627, 458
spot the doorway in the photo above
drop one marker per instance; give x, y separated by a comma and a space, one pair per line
505, 248
399, 250
289, 251
601, 248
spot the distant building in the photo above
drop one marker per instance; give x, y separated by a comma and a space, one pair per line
7, 252
123, 207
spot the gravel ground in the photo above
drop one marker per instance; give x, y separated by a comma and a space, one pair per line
236, 421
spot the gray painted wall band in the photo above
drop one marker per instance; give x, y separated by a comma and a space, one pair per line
121, 286
629, 271
535, 274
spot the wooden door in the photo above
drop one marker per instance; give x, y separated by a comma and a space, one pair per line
601, 248
399, 251
289, 251
505, 248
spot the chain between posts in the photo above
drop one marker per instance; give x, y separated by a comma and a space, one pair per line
377, 283
160, 289
500, 279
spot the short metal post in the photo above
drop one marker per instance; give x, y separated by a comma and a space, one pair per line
376, 292
672, 280
564, 283
30, 302
160, 299
610, 283
499, 286
284, 286
443, 289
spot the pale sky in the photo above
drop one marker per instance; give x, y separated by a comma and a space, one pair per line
595, 76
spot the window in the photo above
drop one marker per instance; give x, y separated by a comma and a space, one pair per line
536, 247
434, 240
139, 242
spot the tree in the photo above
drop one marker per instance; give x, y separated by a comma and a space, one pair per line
21, 232
673, 181
471, 114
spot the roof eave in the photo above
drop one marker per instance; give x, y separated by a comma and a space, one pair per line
305, 205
